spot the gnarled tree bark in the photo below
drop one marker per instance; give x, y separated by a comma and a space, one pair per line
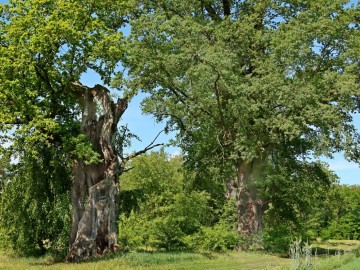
249, 202
250, 205
95, 189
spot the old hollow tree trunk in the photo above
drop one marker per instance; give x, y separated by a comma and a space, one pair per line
95, 190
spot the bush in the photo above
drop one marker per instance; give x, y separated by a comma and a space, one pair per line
277, 238
219, 238
164, 226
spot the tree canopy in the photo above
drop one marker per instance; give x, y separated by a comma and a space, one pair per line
57, 128
249, 84
45, 47
268, 75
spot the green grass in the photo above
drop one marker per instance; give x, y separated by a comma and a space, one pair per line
157, 261
332, 262
180, 261
353, 265
334, 246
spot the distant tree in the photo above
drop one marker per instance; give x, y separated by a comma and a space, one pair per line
299, 201
250, 83
158, 207
341, 214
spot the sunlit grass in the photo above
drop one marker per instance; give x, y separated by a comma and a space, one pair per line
332, 262
353, 265
156, 260
333, 247
177, 261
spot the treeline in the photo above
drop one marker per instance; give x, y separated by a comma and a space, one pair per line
164, 206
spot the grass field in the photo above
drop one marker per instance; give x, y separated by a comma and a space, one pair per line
158, 261
334, 246
179, 261
353, 265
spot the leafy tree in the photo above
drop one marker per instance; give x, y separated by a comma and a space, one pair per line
35, 207
166, 210
341, 215
298, 202
248, 84
45, 47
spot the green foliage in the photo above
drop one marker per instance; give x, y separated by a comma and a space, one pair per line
168, 213
45, 47
83, 149
294, 189
343, 216
331, 214
167, 225
162, 211
266, 82
277, 237
219, 236
35, 209
240, 86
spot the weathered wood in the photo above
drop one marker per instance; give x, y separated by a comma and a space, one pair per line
95, 190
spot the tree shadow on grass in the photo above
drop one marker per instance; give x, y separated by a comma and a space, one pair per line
50, 260
138, 258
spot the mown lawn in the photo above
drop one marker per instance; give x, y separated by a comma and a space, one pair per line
354, 265
334, 246
179, 261
158, 261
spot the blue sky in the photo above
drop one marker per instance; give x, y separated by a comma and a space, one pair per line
146, 128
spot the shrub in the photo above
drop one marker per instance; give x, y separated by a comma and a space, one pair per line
219, 238
165, 225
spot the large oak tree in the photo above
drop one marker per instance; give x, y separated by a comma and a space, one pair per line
45, 47
254, 87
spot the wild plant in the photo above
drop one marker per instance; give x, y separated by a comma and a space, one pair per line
300, 255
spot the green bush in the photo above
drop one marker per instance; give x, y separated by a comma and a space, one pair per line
277, 238
166, 225
158, 209
219, 238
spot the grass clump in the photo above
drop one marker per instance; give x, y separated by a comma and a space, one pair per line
304, 256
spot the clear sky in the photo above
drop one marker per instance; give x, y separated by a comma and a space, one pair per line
146, 128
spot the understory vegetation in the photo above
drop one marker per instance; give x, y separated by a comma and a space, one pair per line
163, 208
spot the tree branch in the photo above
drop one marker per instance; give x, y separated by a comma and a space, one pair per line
226, 7
210, 10
150, 146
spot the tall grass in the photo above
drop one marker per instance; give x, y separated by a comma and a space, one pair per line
304, 257
158, 258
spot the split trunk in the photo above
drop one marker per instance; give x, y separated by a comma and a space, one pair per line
95, 189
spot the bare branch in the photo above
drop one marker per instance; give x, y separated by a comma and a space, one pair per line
150, 146
127, 169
